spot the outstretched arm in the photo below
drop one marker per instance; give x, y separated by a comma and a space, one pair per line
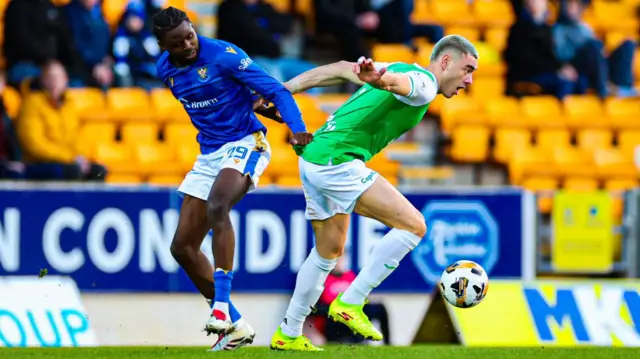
322, 76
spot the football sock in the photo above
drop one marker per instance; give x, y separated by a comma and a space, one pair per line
234, 314
222, 280
384, 258
309, 287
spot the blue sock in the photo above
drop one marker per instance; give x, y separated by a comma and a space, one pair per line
222, 282
234, 314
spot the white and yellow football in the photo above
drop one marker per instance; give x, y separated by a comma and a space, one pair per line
464, 284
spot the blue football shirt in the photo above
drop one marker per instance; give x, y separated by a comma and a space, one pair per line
216, 92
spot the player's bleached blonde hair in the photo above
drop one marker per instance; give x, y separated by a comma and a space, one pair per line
456, 42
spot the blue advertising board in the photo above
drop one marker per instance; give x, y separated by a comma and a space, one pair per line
117, 239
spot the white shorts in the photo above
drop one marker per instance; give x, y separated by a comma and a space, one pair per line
249, 156
330, 190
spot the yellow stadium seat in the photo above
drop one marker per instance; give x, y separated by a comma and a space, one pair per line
613, 15
424, 53
488, 88
422, 14
612, 163
92, 134
177, 134
623, 112
306, 101
384, 166
284, 162
580, 184
549, 139
157, 159
165, 180
117, 157
490, 63
90, 103
313, 118
12, 100
461, 110
136, 133
544, 187
542, 111
470, 33
278, 134
590, 139
452, 12
509, 141
504, 112
264, 181
166, 107
117, 178
528, 162
493, 13
620, 185
497, 37
129, 104
470, 143
113, 10
613, 39
584, 111
393, 53
289, 181
572, 162
186, 155
628, 140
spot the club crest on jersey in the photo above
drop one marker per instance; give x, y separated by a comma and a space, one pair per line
170, 81
203, 74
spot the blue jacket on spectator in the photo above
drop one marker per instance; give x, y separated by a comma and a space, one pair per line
135, 49
90, 32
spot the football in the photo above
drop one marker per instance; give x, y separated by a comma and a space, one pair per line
464, 284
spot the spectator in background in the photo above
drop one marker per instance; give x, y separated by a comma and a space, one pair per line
48, 131
92, 39
34, 33
348, 21
530, 54
575, 43
396, 26
135, 50
258, 28
11, 166
338, 280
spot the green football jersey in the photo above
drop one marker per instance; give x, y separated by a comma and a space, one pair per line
371, 119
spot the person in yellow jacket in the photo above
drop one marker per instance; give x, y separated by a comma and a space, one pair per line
48, 129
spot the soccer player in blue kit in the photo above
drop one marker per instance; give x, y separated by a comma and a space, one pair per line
214, 81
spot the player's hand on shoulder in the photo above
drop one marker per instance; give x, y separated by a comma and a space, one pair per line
366, 70
301, 138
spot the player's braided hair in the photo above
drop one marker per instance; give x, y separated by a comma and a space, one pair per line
168, 19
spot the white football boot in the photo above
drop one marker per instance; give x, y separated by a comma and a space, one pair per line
242, 335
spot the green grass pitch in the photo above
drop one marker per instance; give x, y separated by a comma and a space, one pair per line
341, 352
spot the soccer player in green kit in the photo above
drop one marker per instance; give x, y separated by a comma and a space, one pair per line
393, 99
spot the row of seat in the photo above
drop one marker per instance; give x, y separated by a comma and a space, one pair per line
476, 143
545, 171
167, 160
538, 112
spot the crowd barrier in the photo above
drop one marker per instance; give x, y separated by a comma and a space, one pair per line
117, 239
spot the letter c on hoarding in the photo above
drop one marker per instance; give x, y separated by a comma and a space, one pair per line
65, 262
22, 342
